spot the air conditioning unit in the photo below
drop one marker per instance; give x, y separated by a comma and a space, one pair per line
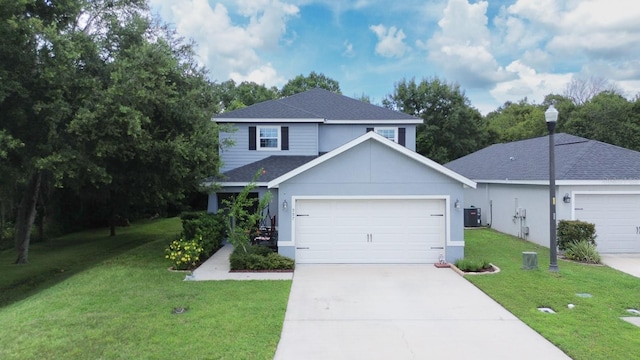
472, 217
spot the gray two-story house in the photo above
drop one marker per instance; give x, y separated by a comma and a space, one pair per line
347, 185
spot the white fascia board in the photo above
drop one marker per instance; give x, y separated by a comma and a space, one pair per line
267, 120
605, 192
372, 135
241, 184
514, 182
561, 182
364, 121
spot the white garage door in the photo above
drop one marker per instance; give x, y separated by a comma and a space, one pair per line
369, 231
617, 220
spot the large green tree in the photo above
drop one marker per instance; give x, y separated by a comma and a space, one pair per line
105, 101
451, 128
516, 121
607, 117
314, 80
232, 96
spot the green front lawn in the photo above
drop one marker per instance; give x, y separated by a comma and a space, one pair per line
118, 301
591, 330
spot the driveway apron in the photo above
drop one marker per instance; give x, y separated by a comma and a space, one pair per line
628, 263
400, 312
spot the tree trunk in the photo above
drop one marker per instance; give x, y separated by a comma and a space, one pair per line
112, 216
26, 217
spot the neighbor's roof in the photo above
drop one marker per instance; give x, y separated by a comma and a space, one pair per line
372, 136
576, 158
317, 105
272, 166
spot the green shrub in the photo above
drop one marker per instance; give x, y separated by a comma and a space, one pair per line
210, 228
573, 231
243, 216
471, 265
582, 251
258, 257
184, 254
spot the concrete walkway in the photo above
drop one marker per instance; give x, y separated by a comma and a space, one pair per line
217, 268
628, 263
400, 312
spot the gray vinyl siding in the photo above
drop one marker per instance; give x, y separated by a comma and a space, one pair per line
499, 203
333, 136
303, 140
370, 169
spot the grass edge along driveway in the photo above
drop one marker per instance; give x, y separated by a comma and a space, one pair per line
121, 306
591, 330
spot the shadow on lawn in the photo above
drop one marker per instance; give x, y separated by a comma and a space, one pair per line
53, 261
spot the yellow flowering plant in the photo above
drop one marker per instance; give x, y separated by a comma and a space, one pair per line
184, 254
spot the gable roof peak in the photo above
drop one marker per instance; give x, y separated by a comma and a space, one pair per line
373, 136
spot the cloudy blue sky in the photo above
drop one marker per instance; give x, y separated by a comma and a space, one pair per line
497, 50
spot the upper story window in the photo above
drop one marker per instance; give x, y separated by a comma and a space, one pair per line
269, 138
395, 134
272, 138
390, 133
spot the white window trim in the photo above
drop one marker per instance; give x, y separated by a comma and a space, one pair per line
260, 148
395, 132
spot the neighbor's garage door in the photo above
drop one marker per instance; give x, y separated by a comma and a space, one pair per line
617, 220
369, 231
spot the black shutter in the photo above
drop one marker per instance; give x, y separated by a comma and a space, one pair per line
252, 137
284, 133
369, 129
402, 135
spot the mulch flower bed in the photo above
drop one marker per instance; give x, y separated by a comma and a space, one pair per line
486, 271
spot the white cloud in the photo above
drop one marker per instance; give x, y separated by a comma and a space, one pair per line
227, 49
390, 41
529, 83
264, 74
462, 46
593, 29
589, 37
348, 49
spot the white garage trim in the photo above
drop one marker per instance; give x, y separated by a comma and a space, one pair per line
446, 198
596, 192
616, 215
443, 200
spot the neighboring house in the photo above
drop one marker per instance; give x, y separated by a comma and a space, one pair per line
347, 184
595, 182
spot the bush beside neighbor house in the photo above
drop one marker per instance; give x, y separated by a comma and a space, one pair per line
578, 241
573, 231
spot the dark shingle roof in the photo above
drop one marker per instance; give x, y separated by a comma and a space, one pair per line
316, 104
273, 166
576, 159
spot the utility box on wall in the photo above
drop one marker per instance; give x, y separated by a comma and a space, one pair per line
472, 217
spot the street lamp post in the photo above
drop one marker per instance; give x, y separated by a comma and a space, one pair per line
551, 116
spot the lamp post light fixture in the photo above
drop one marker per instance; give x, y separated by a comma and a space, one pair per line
551, 116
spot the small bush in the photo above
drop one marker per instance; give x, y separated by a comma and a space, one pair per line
582, 251
184, 254
574, 231
470, 265
259, 257
210, 228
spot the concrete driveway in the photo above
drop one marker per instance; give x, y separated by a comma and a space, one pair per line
400, 312
628, 263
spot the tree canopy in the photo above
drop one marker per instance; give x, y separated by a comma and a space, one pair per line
451, 128
100, 101
314, 80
